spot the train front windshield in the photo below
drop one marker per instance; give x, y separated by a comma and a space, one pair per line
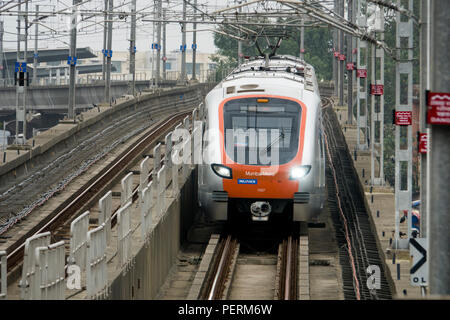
261, 131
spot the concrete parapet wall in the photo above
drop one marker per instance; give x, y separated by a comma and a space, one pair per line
55, 98
145, 275
64, 135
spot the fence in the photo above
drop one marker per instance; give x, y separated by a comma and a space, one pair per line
29, 263
148, 203
105, 205
96, 267
78, 239
127, 188
3, 265
124, 235
43, 270
49, 273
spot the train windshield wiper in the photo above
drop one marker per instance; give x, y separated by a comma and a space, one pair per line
281, 135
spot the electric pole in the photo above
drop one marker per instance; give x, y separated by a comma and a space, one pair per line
35, 55
424, 85
335, 48
2, 73
133, 47
439, 157
239, 41
350, 71
164, 45
105, 36
182, 79
17, 73
158, 40
109, 53
25, 53
302, 40
194, 45
72, 60
341, 62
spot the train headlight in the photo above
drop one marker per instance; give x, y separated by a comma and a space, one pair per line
222, 171
299, 172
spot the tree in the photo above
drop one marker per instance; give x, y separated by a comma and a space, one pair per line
318, 49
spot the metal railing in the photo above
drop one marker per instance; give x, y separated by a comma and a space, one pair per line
3, 287
44, 266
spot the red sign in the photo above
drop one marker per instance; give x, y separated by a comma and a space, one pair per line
336, 54
438, 108
342, 57
403, 118
164, 58
355, 50
423, 143
350, 66
376, 89
361, 73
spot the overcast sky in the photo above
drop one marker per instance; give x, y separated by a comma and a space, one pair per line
91, 33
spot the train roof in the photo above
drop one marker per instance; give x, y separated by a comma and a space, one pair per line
282, 66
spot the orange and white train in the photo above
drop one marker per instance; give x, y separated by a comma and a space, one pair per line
263, 149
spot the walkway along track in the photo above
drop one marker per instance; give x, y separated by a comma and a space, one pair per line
92, 190
355, 235
218, 283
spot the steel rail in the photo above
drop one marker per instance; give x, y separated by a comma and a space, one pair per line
222, 270
287, 283
91, 190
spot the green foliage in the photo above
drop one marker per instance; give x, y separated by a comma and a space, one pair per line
317, 49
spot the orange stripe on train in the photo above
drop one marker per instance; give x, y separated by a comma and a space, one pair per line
276, 186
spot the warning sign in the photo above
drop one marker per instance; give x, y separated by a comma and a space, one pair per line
376, 89
419, 270
423, 142
361, 73
403, 118
438, 111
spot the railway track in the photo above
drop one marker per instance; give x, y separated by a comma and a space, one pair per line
237, 275
357, 243
58, 221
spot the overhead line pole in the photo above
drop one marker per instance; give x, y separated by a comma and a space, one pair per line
133, 48
105, 36
72, 61
350, 72
164, 46
239, 41
182, 79
194, 45
158, 40
25, 53
2, 71
302, 41
424, 85
335, 47
18, 89
109, 54
35, 55
341, 62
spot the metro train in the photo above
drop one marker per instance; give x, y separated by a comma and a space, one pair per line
263, 144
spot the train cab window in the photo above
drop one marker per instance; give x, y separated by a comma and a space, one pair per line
260, 125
